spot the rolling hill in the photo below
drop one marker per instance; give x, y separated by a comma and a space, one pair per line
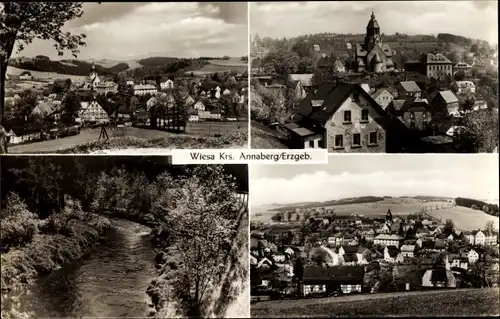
109, 67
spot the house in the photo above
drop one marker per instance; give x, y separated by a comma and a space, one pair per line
189, 101
93, 112
438, 277
445, 102
300, 93
264, 263
215, 115
199, 106
304, 79
369, 235
335, 240
408, 89
462, 67
217, 92
104, 88
342, 118
382, 97
385, 229
388, 240
348, 249
472, 256
21, 134
168, 84
479, 105
459, 262
338, 66
152, 102
349, 259
26, 76
433, 65
348, 279
408, 251
373, 55
43, 109
253, 261
480, 238
226, 92
129, 82
256, 66
392, 255
362, 255
279, 258
193, 116
462, 87
289, 251
143, 89
366, 87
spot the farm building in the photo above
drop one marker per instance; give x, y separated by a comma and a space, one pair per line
93, 112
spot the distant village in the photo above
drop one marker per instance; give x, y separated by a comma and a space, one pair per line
315, 252
367, 97
40, 108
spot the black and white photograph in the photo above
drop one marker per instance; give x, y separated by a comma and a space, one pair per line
375, 76
380, 235
123, 78
123, 237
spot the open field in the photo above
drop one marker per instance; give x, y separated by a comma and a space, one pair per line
466, 302
201, 129
398, 206
46, 75
465, 218
216, 66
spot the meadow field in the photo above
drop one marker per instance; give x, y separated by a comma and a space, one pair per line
465, 218
464, 302
200, 129
46, 75
216, 66
398, 206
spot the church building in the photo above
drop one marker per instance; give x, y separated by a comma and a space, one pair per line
93, 80
373, 55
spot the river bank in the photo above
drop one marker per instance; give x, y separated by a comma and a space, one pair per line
47, 251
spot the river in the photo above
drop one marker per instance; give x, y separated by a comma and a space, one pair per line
110, 281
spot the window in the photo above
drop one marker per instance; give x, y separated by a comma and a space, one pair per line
339, 141
412, 124
373, 138
364, 115
412, 115
356, 140
347, 116
311, 144
320, 143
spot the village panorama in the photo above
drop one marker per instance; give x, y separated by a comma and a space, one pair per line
353, 255
371, 84
114, 95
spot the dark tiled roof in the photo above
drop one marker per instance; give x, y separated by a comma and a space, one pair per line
393, 251
350, 257
337, 273
350, 248
438, 275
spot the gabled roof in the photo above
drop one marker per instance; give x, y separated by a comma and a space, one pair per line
410, 86
448, 96
437, 58
379, 92
408, 248
350, 248
338, 273
350, 257
392, 251
388, 237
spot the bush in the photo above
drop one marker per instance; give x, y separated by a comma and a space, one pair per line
18, 225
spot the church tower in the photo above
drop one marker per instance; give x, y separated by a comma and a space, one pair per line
388, 217
93, 78
372, 33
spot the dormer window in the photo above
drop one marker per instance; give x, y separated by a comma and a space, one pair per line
316, 103
355, 96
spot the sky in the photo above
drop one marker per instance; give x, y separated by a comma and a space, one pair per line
127, 31
472, 176
474, 19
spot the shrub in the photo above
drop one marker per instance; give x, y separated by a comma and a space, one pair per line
18, 225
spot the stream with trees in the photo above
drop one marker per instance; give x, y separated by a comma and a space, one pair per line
109, 281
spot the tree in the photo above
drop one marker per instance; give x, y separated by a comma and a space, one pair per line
278, 217
489, 227
448, 227
71, 105
319, 256
24, 22
289, 215
480, 133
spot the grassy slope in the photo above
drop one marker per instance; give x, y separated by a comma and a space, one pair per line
471, 302
263, 140
466, 218
45, 75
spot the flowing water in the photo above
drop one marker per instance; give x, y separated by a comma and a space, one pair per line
110, 281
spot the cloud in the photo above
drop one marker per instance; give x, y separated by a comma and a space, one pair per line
434, 177
230, 12
475, 19
123, 31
